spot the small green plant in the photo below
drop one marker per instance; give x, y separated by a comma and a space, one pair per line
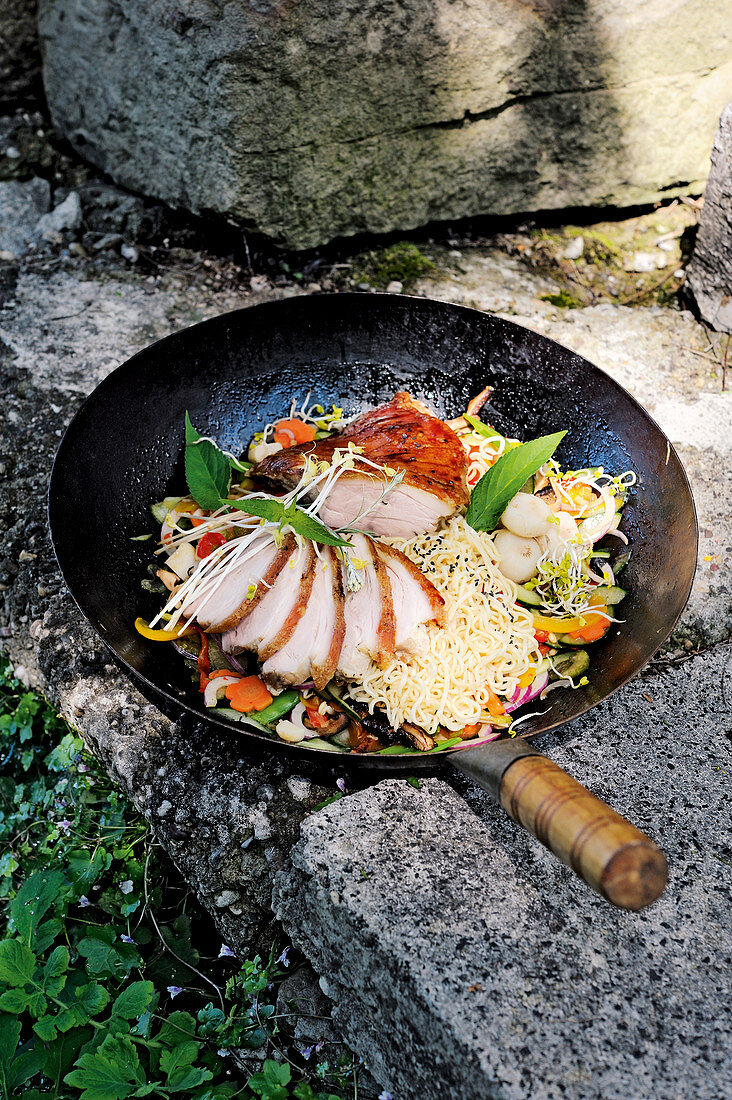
562, 299
401, 262
97, 942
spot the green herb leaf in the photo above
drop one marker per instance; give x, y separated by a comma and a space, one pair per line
500, 484
311, 528
112, 1072
482, 429
275, 511
14, 1000
17, 963
133, 1000
34, 898
208, 472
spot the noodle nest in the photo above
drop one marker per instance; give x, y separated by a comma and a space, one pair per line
487, 641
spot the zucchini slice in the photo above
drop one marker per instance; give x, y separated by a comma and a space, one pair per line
526, 596
570, 664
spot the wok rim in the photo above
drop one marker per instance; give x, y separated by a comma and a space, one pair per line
395, 762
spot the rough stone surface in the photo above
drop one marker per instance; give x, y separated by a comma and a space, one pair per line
21, 205
309, 122
230, 821
499, 974
67, 215
20, 59
710, 271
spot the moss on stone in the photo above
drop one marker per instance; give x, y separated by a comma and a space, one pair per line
402, 262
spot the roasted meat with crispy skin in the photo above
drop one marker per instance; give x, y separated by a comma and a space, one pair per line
306, 625
402, 435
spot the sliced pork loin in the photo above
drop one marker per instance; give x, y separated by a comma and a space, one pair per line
272, 622
221, 604
303, 624
402, 435
313, 648
369, 613
415, 599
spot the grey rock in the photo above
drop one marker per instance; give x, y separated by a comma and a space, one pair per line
20, 59
67, 215
709, 277
309, 122
21, 205
111, 210
496, 972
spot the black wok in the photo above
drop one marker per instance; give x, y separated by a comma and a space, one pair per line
124, 449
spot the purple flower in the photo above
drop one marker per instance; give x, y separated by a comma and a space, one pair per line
126, 887
174, 990
385, 1095
65, 825
222, 1053
341, 785
226, 952
283, 957
82, 767
319, 1046
306, 1052
127, 939
84, 901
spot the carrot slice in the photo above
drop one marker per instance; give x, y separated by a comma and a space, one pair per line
223, 672
292, 431
495, 706
594, 628
248, 694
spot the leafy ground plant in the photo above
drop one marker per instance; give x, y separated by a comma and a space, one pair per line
112, 983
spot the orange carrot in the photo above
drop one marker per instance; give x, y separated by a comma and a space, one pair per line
248, 694
594, 628
290, 432
495, 706
223, 672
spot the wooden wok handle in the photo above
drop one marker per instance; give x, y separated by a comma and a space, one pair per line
610, 854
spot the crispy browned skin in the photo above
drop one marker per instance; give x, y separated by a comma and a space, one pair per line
288, 627
247, 606
387, 622
403, 435
323, 674
436, 601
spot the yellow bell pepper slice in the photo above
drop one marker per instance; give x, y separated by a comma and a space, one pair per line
557, 626
527, 679
162, 635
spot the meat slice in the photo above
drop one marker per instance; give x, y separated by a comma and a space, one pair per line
369, 613
271, 623
314, 646
219, 606
415, 599
402, 435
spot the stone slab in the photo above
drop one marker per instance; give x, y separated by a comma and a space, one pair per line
465, 961
710, 270
310, 122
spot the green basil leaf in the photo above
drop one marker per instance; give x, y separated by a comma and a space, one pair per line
273, 510
208, 471
500, 484
311, 528
300, 522
482, 429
